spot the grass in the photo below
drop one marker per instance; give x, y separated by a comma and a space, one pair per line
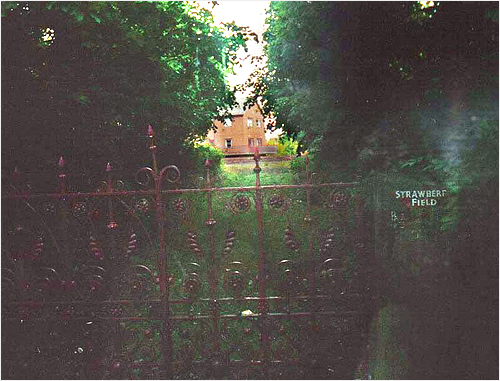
239, 338
274, 172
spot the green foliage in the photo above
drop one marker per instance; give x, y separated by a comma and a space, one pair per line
481, 163
85, 79
198, 157
286, 145
343, 71
298, 164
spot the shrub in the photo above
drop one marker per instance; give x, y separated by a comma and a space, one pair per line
286, 146
197, 157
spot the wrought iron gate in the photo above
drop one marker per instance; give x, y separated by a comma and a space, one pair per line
267, 281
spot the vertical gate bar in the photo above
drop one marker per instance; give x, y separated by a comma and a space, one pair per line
311, 259
111, 221
62, 175
361, 242
214, 269
263, 305
19, 264
162, 262
152, 147
360, 228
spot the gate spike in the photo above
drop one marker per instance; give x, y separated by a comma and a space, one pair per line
16, 175
256, 154
151, 136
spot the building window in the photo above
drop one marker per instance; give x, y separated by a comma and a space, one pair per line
251, 142
228, 122
258, 123
229, 143
249, 122
259, 141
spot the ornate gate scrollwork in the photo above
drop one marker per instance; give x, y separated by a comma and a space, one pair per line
264, 281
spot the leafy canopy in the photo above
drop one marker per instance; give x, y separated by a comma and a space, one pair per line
348, 73
85, 79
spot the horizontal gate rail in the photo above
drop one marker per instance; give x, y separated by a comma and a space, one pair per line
273, 319
70, 195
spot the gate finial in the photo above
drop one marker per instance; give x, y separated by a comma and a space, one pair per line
151, 136
62, 175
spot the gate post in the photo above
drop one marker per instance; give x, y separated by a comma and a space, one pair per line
162, 261
214, 268
312, 260
263, 305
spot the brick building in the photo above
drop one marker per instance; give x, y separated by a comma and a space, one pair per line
242, 133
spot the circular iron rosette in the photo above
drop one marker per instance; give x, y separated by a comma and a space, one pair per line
338, 200
291, 278
80, 210
45, 285
91, 282
136, 282
117, 368
332, 275
180, 207
235, 279
278, 203
240, 203
192, 283
139, 348
144, 205
49, 208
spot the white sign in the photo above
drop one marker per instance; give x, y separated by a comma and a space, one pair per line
421, 197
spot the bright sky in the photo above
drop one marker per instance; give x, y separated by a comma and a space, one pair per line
244, 13
253, 15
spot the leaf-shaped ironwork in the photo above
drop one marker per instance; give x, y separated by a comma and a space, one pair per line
95, 248
228, 245
290, 240
192, 284
193, 244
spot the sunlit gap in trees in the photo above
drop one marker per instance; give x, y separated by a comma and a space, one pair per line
425, 9
426, 4
48, 36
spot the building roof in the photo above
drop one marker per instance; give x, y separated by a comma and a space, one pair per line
240, 108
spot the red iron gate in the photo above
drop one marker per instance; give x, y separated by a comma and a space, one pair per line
268, 281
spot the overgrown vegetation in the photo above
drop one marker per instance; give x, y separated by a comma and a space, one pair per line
85, 79
402, 96
286, 145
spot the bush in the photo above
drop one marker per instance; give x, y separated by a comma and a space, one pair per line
197, 157
286, 146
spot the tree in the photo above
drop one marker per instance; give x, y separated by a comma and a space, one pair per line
405, 94
348, 72
85, 79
